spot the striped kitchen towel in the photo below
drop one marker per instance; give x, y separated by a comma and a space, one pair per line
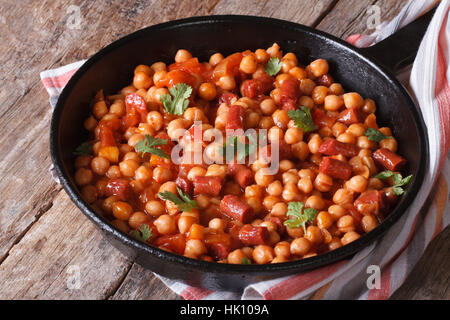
402, 246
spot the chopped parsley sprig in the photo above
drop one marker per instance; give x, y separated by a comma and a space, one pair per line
177, 101
375, 135
397, 179
83, 149
273, 66
240, 149
184, 204
303, 119
147, 146
143, 234
246, 261
299, 215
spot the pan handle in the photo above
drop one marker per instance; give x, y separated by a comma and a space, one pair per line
399, 50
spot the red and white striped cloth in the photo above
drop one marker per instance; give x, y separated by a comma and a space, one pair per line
402, 246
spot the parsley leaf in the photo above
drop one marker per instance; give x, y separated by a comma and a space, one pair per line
397, 179
300, 215
179, 103
143, 234
375, 135
273, 66
303, 119
83, 149
246, 261
184, 204
146, 146
240, 149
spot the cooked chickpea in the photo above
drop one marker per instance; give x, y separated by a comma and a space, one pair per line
121, 225
290, 192
343, 196
281, 118
369, 223
279, 209
293, 135
319, 67
263, 254
324, 220
349, 237
369, 106
236, 256
319, 93
155, 119
333, 102
227, 82
122, 210
262, 178
100, 165
346, 138
182, 55
217, 224
194, 248
83, 176
357, 183
142, 80
353, 100
89, 193
138, 218
90, 124
270, 201
346, 223
305, 185
113, 172
161, 174
300, 246
275, 188
185, 223
196, 172
215, 59
158, 66
248, 64
390, 144
100, 109
315, 202
262, 56
314, 143
207, 91
165, 224
314, 235
268, 106
254, 190
216, 170
134, 139
323, 182
128, 167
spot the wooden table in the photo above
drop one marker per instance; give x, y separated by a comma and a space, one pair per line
44, 238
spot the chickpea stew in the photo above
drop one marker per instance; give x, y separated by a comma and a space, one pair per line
252, 158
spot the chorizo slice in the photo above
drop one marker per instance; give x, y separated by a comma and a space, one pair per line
332, 147
234, 208
253, 236
335, 168
388, 159
207, 185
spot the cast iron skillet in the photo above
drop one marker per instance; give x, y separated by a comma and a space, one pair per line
369, 72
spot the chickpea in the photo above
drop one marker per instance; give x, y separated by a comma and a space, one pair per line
323, 182
216, 170
196, 172
279, 209
343, 196
138, 218
144, 68
293, 135
334, 244
128, 167
131, 156
314, 235
215, 59
290, 177
262, 178
305, 185
227, 82
100, 109
390, 144
300, 150
349, 237
265, 123
100, 165
369, 223
356, 129
315, 202
165, 224
268, 106
319, 93
90, 124
89, 193
363, 142
134, 139
122, 210
287, 64
333, 102
236, 256
336, 89
263, 254
194, 248
283, 249
158, 66
286, 165
300, 246
182, 55
353, 100
298, 73
346, 138
319, 67
83, 176
369, 106
169, 186
158, 78
307, 86
155, 119
275, 188
249, 64
324, 220
255, 203
270, 201
346, 223
254, 190
306, 101
314, 143
375, 183
113, 172
274, 238
185, 223
154, 208
290, 192
161, 174
142, 80
217, 224
121, 225
262, 56
281, 119
357, 184
207, 91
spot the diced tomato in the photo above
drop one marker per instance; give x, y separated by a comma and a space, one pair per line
135, 102
218, 244
228, 66
120, 188
175, 243
192, 66
370, 202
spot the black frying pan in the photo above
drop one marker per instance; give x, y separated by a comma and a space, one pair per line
368, 71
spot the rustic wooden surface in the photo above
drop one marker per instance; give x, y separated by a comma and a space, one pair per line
44, 238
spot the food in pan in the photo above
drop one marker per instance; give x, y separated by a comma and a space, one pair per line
251, 158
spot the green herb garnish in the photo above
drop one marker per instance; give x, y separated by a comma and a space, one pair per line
375, 135
300, 215
273, 66
177, 103
184, 204
303, 119
398, 180
246, 261
83, 149
143, 234
240, 149
147, 146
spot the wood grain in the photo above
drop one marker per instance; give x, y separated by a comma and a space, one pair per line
43, 236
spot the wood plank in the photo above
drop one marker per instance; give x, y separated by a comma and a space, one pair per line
45, 262
353, 16
141, 284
